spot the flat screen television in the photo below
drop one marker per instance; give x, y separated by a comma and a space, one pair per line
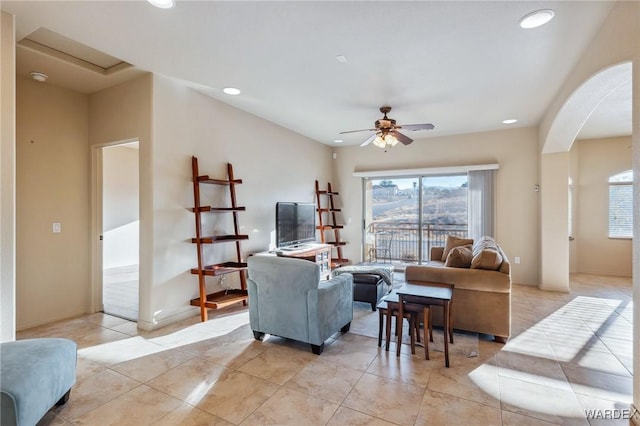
295, 223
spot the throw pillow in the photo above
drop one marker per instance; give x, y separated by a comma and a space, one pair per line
452, 242
459, 257
487, 259
486, 255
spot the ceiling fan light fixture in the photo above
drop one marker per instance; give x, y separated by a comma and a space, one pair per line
385, 141
537, 19
163, 4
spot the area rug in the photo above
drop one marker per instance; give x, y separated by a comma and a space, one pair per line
365, 323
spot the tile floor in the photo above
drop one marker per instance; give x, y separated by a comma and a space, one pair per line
568, 353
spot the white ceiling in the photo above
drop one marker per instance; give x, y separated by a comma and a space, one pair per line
463, 66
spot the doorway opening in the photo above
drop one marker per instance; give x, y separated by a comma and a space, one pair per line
120, 230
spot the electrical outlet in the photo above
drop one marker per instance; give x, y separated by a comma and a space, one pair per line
516, 259
57, 227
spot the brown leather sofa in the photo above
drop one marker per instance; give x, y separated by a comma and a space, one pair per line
481, 298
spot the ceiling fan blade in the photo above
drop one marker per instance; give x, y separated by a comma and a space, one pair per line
414, 127
354, 131
402, 138
369, 140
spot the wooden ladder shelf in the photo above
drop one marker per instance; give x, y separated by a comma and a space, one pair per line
327, 221
222, 298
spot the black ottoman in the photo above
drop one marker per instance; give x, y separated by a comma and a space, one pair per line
368, 288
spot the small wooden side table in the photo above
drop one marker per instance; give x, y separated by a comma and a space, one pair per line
427, 295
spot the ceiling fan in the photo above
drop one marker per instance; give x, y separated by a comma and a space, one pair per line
386, 131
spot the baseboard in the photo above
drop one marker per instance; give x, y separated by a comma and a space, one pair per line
23, 327
158, 323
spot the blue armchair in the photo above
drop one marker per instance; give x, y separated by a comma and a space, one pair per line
287, 299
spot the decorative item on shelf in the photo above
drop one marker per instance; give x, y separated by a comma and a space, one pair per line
228, 296
330, 223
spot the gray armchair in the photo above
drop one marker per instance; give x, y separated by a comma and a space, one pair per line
287, 299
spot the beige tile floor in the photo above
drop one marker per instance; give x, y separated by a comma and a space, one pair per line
568, 353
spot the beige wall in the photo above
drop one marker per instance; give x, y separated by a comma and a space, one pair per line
54, 268
118, 114
574, 200
516, 201
7, 177
554, 222
598, 159
600, 69
636, 226
52, 154
617, 42
275, 164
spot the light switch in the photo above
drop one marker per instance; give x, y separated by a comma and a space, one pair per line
57, 227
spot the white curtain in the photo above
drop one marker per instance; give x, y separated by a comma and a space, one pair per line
481, 203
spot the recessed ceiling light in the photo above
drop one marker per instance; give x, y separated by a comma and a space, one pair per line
163, 4
38, 76
338, 140
509, 121
537, 18
231, 91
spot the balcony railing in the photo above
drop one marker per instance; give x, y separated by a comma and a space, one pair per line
401, 241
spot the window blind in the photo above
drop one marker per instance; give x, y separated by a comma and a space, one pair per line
620, 211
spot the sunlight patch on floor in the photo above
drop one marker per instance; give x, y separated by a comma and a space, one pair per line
567, 326
139, 346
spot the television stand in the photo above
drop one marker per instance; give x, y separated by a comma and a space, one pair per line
293, 248
314, 252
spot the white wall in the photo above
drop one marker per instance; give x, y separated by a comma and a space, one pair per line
275, 164
120, 193
52, 166
599, 159
7, 178
516, 201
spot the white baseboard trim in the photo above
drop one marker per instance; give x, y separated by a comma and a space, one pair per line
187, 312
47, 321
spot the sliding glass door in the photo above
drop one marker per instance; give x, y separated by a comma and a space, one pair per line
445, 210
405, 216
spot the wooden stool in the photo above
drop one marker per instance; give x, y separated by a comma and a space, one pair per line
426, 321
388, 307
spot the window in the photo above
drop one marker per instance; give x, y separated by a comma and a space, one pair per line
621, 205
406, 212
